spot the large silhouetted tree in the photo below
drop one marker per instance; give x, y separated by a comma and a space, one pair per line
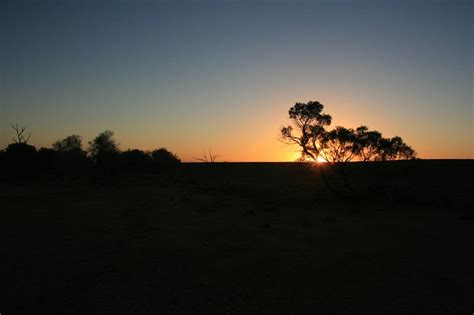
307, 129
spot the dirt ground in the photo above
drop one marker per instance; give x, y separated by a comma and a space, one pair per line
231, 238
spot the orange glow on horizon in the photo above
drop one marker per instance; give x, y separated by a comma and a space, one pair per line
320, 159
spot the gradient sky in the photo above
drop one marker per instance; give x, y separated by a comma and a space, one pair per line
206, 75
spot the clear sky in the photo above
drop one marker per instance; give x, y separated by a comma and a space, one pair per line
210, 75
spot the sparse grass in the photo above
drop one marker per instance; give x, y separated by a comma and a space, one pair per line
240, 238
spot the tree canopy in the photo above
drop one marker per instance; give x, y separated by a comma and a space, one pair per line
104, 143
72, 143
308, 131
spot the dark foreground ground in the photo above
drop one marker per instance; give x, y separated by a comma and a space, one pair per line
242, 238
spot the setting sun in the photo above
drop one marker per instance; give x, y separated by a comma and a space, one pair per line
320, 159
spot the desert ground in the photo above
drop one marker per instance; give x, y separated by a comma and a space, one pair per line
232, 238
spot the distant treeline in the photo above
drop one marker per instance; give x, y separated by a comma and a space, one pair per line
67, 157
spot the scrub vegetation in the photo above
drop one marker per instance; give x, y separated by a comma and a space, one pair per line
104, 231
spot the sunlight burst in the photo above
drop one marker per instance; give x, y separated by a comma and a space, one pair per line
320, 159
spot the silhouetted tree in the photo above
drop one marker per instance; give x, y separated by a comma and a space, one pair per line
340, 145
71, 159
406, 152
307, 129
105, 153
368, 144
395, 149
104, 143
72, 143
136, 159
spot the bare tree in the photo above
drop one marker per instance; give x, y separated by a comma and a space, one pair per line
207, 158
20, 138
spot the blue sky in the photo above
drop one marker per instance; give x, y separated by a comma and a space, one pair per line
197, 75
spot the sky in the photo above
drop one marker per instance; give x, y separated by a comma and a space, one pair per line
198, 75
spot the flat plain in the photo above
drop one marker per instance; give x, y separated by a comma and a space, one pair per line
229, 238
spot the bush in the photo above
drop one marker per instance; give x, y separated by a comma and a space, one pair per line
135, 159
47, 160
165, 160
67, 158
3, 161
20, 159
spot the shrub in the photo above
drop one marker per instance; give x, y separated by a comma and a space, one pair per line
135, 159
164, 159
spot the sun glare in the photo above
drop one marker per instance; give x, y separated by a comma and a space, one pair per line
320, 159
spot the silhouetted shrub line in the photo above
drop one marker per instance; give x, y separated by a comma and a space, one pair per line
67, 157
